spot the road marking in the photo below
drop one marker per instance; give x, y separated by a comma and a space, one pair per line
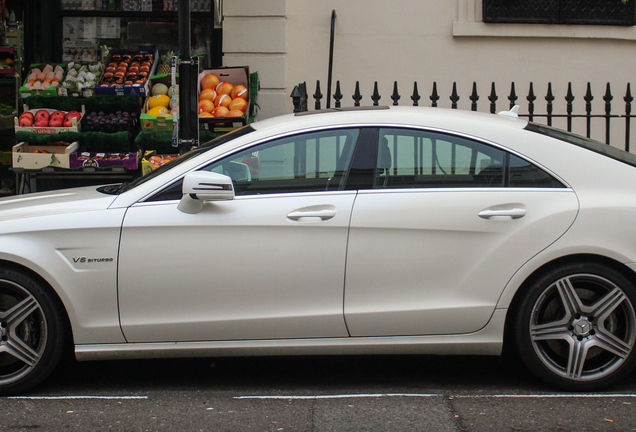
343, 396
77, 397
434, 395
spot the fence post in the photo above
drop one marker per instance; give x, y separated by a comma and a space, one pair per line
549, 99
493, 99
569, 98
588, 109
531, 98
416, 95
474, 97
608, 110
628, 115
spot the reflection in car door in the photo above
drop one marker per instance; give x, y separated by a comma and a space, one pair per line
266, 265
434, 243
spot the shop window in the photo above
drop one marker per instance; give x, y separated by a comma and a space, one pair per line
589, 12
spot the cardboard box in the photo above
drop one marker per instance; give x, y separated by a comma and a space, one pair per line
157, 124
141, 90
235, 76
36, 157
128, 160
48, 130
152, 161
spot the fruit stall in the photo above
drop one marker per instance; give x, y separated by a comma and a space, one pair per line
83, 123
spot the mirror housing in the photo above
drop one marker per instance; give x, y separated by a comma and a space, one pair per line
201, 186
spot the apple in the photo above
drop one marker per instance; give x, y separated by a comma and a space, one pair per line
56, 122
68, 122
75, 114
26, 121
41, 122
42, 114
28, 114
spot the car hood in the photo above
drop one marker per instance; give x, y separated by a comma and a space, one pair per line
54, 202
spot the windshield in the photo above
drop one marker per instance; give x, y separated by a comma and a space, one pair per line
185, 157
587, 143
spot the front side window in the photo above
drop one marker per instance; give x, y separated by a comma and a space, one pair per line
420, 159
309, 162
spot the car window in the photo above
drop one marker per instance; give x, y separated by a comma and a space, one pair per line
308, 162
421, 159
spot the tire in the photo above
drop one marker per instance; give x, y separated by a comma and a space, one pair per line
32, 337
575, 327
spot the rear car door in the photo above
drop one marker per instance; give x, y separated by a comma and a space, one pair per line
445, 225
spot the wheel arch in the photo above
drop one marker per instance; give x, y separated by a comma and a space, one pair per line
11, 265
550, 265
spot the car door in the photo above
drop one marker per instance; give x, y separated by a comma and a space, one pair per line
267, 265
447, 223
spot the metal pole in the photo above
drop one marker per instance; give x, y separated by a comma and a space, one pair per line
188, 116
330, 74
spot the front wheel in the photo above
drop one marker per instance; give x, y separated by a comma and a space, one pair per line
31, 332
576, 327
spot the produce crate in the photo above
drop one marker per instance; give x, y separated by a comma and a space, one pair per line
48, 129
7, 61
141, 90
152, 161
36, 157
128, 160
157, 124
26, 92
77, 79
235, 76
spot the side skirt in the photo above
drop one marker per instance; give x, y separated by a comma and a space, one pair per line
487, 341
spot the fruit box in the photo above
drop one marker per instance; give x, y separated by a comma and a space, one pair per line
129, 160
26, 92
141, 90
36, 157
7, 61
48, 129
152, 123
235, 76
152, 161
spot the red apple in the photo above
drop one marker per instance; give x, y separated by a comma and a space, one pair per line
68, 122
26, 121
56, 122
74, 114
42, 114
42, 122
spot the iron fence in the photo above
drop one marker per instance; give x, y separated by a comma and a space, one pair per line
530, 108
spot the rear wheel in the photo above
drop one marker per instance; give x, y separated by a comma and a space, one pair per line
31, 332
576, 327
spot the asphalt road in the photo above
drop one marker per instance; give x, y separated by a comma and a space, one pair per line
405, 393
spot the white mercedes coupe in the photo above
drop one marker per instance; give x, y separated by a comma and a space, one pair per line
378, 230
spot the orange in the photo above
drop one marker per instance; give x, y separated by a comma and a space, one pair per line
206, 106
208, 94
209, 81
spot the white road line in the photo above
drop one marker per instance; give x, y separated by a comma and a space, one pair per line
433, 395
77, 397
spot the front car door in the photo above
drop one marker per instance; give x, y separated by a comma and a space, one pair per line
444, 226
267, 265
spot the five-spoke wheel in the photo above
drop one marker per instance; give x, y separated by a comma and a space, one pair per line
31, 337
576, 327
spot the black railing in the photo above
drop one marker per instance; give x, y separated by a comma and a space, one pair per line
529, 109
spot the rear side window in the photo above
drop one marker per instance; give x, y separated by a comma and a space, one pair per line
587, 143
421, 159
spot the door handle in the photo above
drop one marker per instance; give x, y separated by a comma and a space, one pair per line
512, 213
324, 214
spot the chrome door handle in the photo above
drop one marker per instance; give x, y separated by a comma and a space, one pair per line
513, 213
314, 214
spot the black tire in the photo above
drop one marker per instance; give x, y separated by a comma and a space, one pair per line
32, 332
575, 327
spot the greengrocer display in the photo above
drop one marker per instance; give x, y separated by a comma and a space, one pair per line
95, 116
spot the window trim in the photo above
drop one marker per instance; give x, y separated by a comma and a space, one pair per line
469, 23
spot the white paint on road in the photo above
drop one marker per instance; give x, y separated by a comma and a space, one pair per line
77, 397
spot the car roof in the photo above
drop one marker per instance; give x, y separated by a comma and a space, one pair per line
454, 120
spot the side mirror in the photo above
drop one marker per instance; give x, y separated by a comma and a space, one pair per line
200, 186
